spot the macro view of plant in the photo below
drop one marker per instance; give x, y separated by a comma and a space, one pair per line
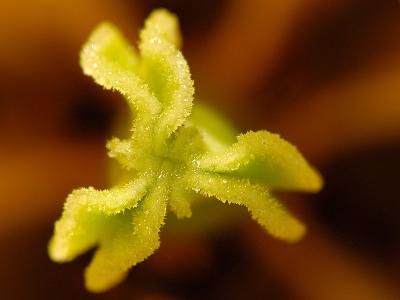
167, 158
223, 149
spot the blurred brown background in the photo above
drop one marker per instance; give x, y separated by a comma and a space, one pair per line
324, 74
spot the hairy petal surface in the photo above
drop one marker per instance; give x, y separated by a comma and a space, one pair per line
112, 63
131, 238
167, 71
86, 211
263, 207
187, 146
267, 158
122, 151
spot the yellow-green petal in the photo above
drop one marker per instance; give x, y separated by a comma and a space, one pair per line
85, 214
131, 238
266, 158
263, 207
180, 199
77, 231
188, 144
113, 64
166, 71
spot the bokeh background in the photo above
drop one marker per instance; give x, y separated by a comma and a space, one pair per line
323, 74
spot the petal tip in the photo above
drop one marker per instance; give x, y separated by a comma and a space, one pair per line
99, 283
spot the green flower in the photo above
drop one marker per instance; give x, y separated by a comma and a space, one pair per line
169, 156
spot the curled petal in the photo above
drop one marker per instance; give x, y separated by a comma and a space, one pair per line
263, 207
166, 71
122, 151
113, 64
129, 239
86, 212
267, 158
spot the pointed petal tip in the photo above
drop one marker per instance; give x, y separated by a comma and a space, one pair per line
294, 232
168, 24
96, 283
315, 182
56, 252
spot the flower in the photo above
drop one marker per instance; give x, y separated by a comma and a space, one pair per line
169, 156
